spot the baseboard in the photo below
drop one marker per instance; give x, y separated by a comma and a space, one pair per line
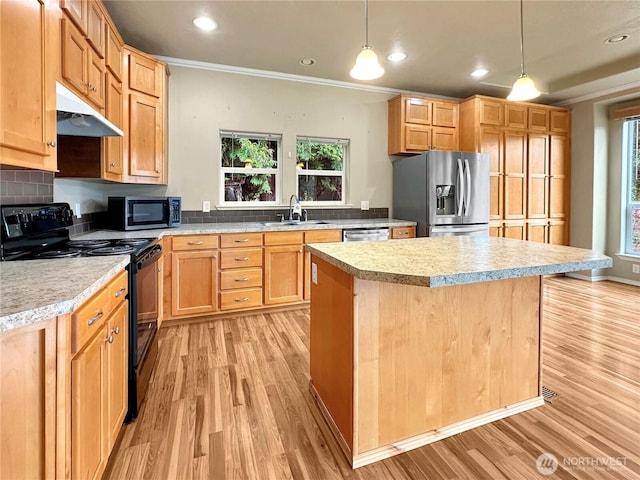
324, 411
225, 315
601, 278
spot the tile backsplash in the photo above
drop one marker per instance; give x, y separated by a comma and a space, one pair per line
25, 186
250, 215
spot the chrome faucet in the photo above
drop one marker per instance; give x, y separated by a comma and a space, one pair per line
294, 209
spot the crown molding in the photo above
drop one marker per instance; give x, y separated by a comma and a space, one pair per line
599, 94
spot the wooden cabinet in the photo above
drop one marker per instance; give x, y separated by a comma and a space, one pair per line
509, 229
417, 124
194, 282
403, 232
241, 272
99, 377
316, 236
113, 147
530, 163
27, 83
145, 118
283, 267
28, 401
114, 52
96, 25
77, 11
558, 232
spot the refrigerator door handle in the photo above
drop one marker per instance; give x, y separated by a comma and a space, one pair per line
467, 195
460, 192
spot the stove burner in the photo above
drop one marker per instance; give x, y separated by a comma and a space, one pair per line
88, 243
116, 250
132, 241
73, 252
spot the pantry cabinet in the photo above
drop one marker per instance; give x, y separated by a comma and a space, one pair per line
515, 180
283, 267
27, 82
417, 124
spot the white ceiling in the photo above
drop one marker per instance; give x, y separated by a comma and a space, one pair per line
565, 51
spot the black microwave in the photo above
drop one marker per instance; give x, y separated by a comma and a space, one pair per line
140, 213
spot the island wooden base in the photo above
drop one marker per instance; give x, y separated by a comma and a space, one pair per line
423, 439
396, 366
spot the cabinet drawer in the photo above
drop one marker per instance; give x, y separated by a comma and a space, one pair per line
241, 258
118, 289
283, 238
241, 240
245, 298
403, 232
194, 242
322, 236
89, 319
241, 278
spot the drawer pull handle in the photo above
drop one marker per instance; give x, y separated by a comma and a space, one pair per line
96, 318
195, 243
245, 299
120, 292
245, 279
242, 259
109, 339
116, 330
244, 240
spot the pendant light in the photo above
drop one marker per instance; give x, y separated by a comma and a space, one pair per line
367, 66
523, 88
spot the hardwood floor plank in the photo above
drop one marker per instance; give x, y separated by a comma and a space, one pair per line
229, 399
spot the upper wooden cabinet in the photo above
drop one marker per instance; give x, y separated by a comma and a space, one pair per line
96, 26
77, 11
559, 121
145, 75
114, 46
417, 124
27, 83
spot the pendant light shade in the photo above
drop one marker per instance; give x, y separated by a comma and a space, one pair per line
524, 88
367, 66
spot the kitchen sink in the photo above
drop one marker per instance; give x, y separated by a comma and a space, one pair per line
293, 222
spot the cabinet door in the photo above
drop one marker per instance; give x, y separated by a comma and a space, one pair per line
403, 232
145, 75
194, 282
496, 230
96, 27
444, 138
417, 110
491, 112
117, 374
538, 173
558, 232
538, 119
283, 267
95, 79
88, 449
28, 401
559, 160
145, 136
515, 116
417, 138
537, 231
113, 57
113, 146
515, 230
29, 52
491, 142
559, 121
76, 10
444, 114
75, 52
515, 167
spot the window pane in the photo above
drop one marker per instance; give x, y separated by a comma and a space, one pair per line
319, 156
635, 230
240, 187
634, 160
319, 188
250, 153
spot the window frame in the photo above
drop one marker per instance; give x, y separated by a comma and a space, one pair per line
251, 171
629, 206
345, 142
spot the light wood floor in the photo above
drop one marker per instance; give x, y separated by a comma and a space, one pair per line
229, 400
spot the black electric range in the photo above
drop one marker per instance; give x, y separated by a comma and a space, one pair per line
39, 231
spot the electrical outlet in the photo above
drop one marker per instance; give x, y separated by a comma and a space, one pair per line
314, 273
635, 268
78, 211
206, 206
364, 205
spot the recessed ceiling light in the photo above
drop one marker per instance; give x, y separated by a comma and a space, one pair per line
306, 61
205, 24
617, 38
479, 72
396, 56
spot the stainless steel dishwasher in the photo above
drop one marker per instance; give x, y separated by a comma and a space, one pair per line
365, 234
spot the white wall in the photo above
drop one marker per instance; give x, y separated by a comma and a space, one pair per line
203, 102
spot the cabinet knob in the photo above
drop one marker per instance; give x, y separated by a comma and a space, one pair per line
112, 164
109, 339
245, 299
157, 171
242, 259
99, 315
116, 330
120, 292
52, 143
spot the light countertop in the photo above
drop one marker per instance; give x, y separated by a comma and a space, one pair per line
437, 262
35, 290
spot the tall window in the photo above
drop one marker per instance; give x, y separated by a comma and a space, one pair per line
631, 139
250, 167
321, 165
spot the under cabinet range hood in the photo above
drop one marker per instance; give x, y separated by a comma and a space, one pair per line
77, 118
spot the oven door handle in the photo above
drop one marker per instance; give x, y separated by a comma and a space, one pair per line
150, 256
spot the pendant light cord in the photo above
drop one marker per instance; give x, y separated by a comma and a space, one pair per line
366, 23
521, 37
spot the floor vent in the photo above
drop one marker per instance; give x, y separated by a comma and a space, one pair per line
548, 394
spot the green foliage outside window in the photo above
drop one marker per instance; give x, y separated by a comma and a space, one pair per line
249, 154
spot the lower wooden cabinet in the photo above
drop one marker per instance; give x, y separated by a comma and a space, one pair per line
28, 401
194, 277
283, 270
403, 232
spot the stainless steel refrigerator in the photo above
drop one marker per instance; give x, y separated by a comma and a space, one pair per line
446, 193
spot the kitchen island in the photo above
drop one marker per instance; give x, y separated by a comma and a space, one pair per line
416, 340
